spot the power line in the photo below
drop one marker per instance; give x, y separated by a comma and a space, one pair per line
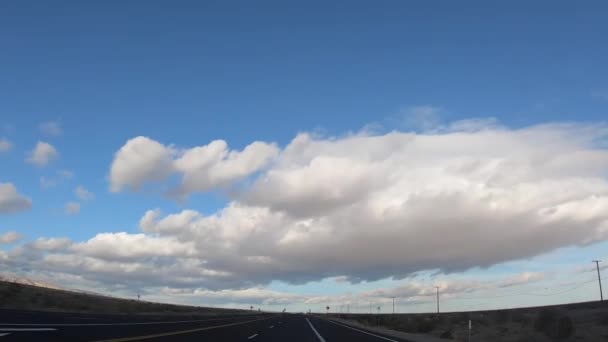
406, 299
525, 293
557, 293
576, 286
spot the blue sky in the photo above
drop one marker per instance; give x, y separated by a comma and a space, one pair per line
184, 74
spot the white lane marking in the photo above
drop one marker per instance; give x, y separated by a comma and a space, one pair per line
5, 334
26, 329
107, 324
315, 330
180, 332
252, 336
362, 331
272, 326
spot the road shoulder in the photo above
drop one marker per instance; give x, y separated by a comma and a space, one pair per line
386, 332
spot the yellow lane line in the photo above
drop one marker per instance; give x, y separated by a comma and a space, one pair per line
179, 332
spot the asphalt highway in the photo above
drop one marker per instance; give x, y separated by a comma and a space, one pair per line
38, 326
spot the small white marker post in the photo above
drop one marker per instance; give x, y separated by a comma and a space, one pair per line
469, 330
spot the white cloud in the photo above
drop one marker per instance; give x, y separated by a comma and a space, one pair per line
360, 207
139, 161
374, 206
9, 237
142, 160
124, 246
83, 194
214, 165
50, 244
42, 154
522, 278
11, 201
72, 208
51, 128
5, 145
251, 296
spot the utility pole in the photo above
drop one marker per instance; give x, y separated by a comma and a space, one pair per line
599, 278
393, 305
437, 287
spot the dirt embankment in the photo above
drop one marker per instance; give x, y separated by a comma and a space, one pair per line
28, 297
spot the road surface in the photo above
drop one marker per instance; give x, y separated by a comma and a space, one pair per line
37, 326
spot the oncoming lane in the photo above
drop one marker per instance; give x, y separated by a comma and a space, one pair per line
253, 328
126, 328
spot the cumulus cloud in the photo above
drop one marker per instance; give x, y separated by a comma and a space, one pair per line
9, 237
42, 154
370, 207
142, 160
11, 201
72, 208
5, 145
83, 194
139, 161
359, 207
51, 128
214, 165
123, 246
50, 244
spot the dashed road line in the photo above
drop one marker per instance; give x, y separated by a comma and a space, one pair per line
316, 332
179, 332
272, 326
252, 336
362, 331
4, 334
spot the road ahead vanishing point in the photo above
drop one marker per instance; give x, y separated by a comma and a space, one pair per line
39, 326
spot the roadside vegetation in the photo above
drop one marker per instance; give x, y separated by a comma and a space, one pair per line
572, 322
28, 297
